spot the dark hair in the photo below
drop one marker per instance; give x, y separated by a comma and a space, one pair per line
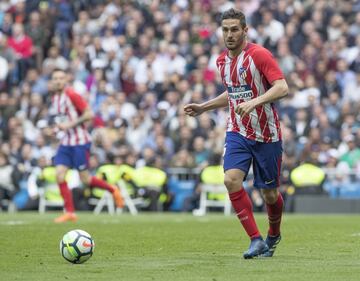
234, 14
57, 70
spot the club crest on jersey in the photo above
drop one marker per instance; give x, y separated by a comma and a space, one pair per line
242, 72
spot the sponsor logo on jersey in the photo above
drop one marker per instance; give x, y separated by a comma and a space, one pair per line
240, 92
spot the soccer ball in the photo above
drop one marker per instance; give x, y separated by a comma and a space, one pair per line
77, 246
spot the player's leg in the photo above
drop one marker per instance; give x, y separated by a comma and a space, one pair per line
237, 160
61, 171
62, 162
81, 161
93, 181
274, 207
267, 167
66, 194
241, 201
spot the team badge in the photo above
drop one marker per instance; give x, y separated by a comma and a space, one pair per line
242, 72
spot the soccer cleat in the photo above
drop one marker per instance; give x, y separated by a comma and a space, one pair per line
257, 247
272, 242
66, 217
119, 200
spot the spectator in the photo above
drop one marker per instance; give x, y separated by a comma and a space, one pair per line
39, 36
183, 158
344, 76
352, 89
136, 133
9, 179
7, 23
9, 55
352, 156
201, 153
23, 48
273, 29
4, 70
54, 60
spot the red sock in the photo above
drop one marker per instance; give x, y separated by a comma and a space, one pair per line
274, 214
243, 208
96, 182
67, 196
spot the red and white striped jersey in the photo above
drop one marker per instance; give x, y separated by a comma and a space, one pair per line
66, 107
245, 77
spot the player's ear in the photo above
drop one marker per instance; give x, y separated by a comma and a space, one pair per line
246, 29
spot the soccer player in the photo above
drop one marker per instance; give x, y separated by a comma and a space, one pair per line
71, 112
253, 82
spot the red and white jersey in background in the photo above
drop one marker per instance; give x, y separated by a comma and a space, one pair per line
246, 77
69, 106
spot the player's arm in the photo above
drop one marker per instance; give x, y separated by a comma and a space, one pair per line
82, 107
278, 90
86, 115
194, 109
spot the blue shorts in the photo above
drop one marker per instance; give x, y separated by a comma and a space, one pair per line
74, 157
239, 152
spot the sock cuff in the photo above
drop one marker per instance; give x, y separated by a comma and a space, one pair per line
92, 180
237, 194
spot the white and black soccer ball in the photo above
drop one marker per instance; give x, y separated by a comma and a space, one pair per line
77, 246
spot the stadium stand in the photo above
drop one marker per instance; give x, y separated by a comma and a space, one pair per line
139, 62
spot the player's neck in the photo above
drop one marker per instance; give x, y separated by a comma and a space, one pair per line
236, 52
58, 93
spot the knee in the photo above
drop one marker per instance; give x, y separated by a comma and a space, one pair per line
60, 177
270, 196
85, 178
232, 183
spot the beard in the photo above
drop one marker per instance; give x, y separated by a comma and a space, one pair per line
58, 88
236, 44
233, 46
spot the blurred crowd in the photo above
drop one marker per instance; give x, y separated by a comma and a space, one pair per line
138, 62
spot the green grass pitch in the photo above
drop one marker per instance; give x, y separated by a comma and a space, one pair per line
179, 247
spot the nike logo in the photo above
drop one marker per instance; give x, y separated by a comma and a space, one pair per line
86, 244
82, 167
268, 182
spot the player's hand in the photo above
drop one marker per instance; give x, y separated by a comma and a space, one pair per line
245, 108
193, 109
64, 126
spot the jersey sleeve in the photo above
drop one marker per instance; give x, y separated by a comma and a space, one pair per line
218, 63
267, 65
78, 101
220, 60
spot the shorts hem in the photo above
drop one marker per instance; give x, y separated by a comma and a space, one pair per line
265, 186
236, 168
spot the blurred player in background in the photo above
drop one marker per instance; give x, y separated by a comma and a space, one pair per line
71, 112
253, 81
